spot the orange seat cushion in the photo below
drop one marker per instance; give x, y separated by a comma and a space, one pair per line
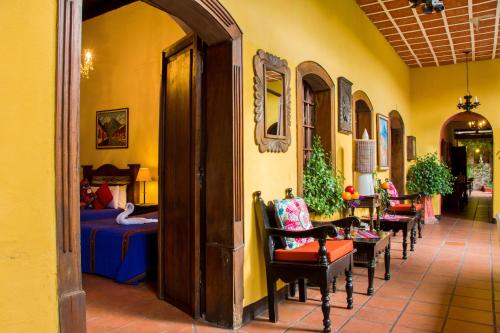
335, 249
405, 207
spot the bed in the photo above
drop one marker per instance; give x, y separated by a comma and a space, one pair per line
125, 253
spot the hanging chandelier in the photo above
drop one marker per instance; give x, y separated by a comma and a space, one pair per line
468, 105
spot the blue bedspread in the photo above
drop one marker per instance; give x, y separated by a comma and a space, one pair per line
125, 253
99, 214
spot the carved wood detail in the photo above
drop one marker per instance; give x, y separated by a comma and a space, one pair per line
262, 61
70, 293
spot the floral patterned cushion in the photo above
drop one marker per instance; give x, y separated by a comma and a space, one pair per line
292, 214
393, 192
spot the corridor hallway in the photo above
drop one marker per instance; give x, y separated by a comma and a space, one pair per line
451, 283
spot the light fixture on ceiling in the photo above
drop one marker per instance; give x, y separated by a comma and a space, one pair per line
477, 124
428, 6
468, 105
86, 64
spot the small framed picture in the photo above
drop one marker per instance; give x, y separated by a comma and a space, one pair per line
345, 106
112, 129
383, 142
411, 148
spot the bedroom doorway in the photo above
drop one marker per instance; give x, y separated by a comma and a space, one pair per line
397, 151
220, 252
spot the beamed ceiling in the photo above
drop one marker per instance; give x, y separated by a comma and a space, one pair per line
436, 39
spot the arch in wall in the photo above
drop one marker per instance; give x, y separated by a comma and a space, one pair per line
315, 82
224, 204
363, 114
447, 142
397, 152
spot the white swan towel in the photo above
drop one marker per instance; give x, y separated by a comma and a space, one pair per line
123, 218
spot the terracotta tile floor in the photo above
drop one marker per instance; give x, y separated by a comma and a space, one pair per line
451, 283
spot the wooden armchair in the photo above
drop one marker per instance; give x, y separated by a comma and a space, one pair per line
409, 204
318, 262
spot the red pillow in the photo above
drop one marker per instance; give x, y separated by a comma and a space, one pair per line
103, 197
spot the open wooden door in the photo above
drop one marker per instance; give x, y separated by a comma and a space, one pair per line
181, 176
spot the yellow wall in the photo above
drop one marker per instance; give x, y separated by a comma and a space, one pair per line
434, 95
127, 45
338, 36
28, 282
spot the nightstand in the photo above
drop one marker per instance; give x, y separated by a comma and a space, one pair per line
144, 208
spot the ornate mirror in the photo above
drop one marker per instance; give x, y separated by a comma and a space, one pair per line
272, 102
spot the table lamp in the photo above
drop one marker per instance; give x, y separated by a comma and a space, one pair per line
144, 175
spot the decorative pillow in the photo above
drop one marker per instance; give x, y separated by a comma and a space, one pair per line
115, 191
122, 198
393, 192
87, 196
103, 197
292, 214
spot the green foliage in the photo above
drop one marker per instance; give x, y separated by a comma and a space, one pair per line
323, 186
430, 175
383, 194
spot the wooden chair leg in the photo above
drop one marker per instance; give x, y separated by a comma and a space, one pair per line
371, 275
405, 244
334, 285
413, 239
420, 228
349, 287
387, 262
325, 306
271, 300
292, 288
303, 290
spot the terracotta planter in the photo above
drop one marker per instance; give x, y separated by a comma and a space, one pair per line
429, 217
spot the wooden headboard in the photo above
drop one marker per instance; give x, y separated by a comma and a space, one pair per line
115, 176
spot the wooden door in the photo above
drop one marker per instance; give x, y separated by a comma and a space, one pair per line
397, 159
180, 176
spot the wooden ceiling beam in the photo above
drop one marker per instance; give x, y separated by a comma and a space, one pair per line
495, 35
415, 14
471, 28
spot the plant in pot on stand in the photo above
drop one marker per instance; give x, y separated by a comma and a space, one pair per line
323, 186
429, 176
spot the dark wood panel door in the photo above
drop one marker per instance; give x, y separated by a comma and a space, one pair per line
397, 159
180, 176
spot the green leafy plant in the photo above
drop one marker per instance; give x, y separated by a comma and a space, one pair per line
430, 176
383, 195
323, 186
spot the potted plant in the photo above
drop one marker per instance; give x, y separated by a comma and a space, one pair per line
322, 184
429, 176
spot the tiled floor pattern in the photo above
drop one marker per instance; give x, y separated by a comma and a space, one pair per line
451, 283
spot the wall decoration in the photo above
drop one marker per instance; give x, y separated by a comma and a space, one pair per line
112, 129
345, 106
411, 148
272, 102
383, 142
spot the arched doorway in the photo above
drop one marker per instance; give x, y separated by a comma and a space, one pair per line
315, 106
397, 151
467, 148
363, 114
222, 246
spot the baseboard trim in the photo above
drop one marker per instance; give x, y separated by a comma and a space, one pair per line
252, 311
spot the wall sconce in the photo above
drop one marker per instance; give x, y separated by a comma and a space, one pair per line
86, 64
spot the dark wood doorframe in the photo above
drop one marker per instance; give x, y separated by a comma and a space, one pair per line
397, 152
224, 169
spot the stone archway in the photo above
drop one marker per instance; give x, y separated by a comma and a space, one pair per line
224, 213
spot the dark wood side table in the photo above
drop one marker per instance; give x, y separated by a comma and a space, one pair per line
401, 223
372, 203
140, 209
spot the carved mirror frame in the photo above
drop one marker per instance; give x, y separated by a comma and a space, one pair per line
263, 61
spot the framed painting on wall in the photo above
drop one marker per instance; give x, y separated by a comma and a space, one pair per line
383, 144
345, 106
112, 129
411, 148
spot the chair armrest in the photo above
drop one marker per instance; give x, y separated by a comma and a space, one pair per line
318, 232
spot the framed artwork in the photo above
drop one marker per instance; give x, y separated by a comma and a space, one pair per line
411, 148
112, 129
383, 143
345, 105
